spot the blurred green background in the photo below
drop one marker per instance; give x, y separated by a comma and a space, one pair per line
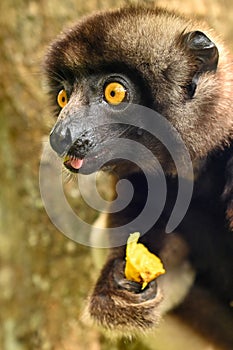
44, 277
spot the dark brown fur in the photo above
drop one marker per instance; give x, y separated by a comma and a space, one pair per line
150, 46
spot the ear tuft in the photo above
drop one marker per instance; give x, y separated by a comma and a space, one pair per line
203, 49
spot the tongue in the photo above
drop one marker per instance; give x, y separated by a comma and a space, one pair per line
76, 163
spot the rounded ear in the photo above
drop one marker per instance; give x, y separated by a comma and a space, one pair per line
203, 49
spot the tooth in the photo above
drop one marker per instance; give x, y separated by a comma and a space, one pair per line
66, 158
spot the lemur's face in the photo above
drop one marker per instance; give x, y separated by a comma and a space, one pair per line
101, 123
96, 112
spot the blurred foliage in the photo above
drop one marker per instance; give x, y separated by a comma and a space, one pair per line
44, 277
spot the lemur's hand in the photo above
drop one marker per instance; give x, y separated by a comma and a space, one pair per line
118, 303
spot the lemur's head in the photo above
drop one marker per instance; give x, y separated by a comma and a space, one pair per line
101, 67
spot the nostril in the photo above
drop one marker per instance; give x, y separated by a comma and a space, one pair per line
86, 142
60, 140
81, 147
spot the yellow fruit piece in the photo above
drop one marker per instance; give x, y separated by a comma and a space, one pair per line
141, 265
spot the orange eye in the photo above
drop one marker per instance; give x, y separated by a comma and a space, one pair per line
115, 93
62, 98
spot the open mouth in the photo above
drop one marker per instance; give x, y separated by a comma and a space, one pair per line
95, 160
73, 163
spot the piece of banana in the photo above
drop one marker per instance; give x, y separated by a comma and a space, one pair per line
141, 265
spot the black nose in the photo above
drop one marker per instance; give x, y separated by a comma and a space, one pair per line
60, 139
